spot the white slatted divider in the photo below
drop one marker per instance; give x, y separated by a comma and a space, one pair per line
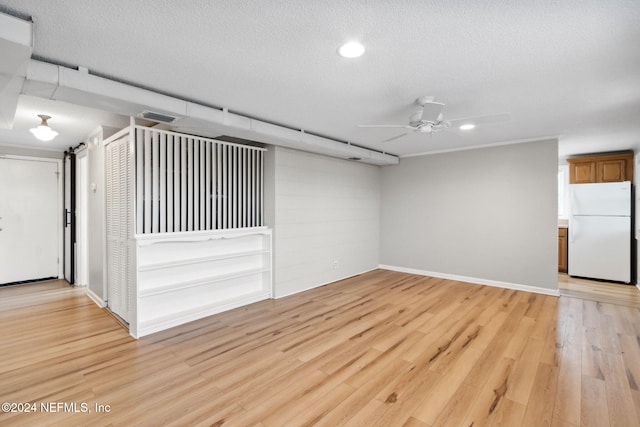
254, 205
196, 184
170, 181
203, 186
243, 182
162, 201
256, 200
187, 183
219, 149
249, 189
207, 190
155, 182
147, 183
234, 183
261, 188
214, 181
140, 179
183, 184
225, 190
177, 182
240, 203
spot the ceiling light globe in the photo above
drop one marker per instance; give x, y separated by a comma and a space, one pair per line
43, 133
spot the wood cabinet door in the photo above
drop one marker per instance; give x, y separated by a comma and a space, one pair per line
563, 263
583, 173
612, 170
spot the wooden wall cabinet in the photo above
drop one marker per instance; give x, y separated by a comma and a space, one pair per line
563, 263
601, 168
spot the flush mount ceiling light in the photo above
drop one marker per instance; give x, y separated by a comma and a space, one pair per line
351, 50
43, 132
467, 126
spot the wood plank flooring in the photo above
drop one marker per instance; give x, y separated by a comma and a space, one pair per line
380, 349
595, 290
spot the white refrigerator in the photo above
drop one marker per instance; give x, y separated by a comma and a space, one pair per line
600, 231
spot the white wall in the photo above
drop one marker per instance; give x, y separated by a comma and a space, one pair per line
324, 210
29, 152
96, 217
487, 215
635, 258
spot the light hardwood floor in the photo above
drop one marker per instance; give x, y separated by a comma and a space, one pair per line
595, 290
379, 349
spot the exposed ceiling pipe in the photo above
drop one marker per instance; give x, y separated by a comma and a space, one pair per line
80, 87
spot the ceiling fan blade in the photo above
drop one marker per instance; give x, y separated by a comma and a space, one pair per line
396, 137
385, 126
491, 118
431, 111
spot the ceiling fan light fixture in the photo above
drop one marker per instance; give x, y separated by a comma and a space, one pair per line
43, 132
351, 50
467, 126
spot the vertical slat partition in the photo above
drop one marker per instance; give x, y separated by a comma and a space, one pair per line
196, 184
234, 185
177, 191
225, 190
219, 149
148, 184
163, 183
183, 184
207, 191
170, 182
190, 184
155, 179
203, 187
139, 147
187, 183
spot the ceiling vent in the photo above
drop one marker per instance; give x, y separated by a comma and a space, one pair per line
235, 140
157, 117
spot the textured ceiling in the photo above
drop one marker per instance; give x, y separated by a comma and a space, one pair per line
569, 69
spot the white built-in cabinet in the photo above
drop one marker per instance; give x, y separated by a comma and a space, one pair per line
187, 276
159, 279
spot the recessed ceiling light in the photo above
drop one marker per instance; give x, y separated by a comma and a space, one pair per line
351, 50
467, 126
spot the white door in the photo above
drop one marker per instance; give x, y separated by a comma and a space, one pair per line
119, 204
29, 220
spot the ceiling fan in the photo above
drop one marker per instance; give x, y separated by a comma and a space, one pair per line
429, 119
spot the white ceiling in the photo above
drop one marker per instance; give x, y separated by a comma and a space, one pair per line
569, 69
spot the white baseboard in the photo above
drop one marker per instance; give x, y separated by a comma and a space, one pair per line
474, 280
95, 298
638, 286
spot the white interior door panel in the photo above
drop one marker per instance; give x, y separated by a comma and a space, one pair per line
29, 220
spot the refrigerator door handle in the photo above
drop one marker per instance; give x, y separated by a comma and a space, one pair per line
572, 231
